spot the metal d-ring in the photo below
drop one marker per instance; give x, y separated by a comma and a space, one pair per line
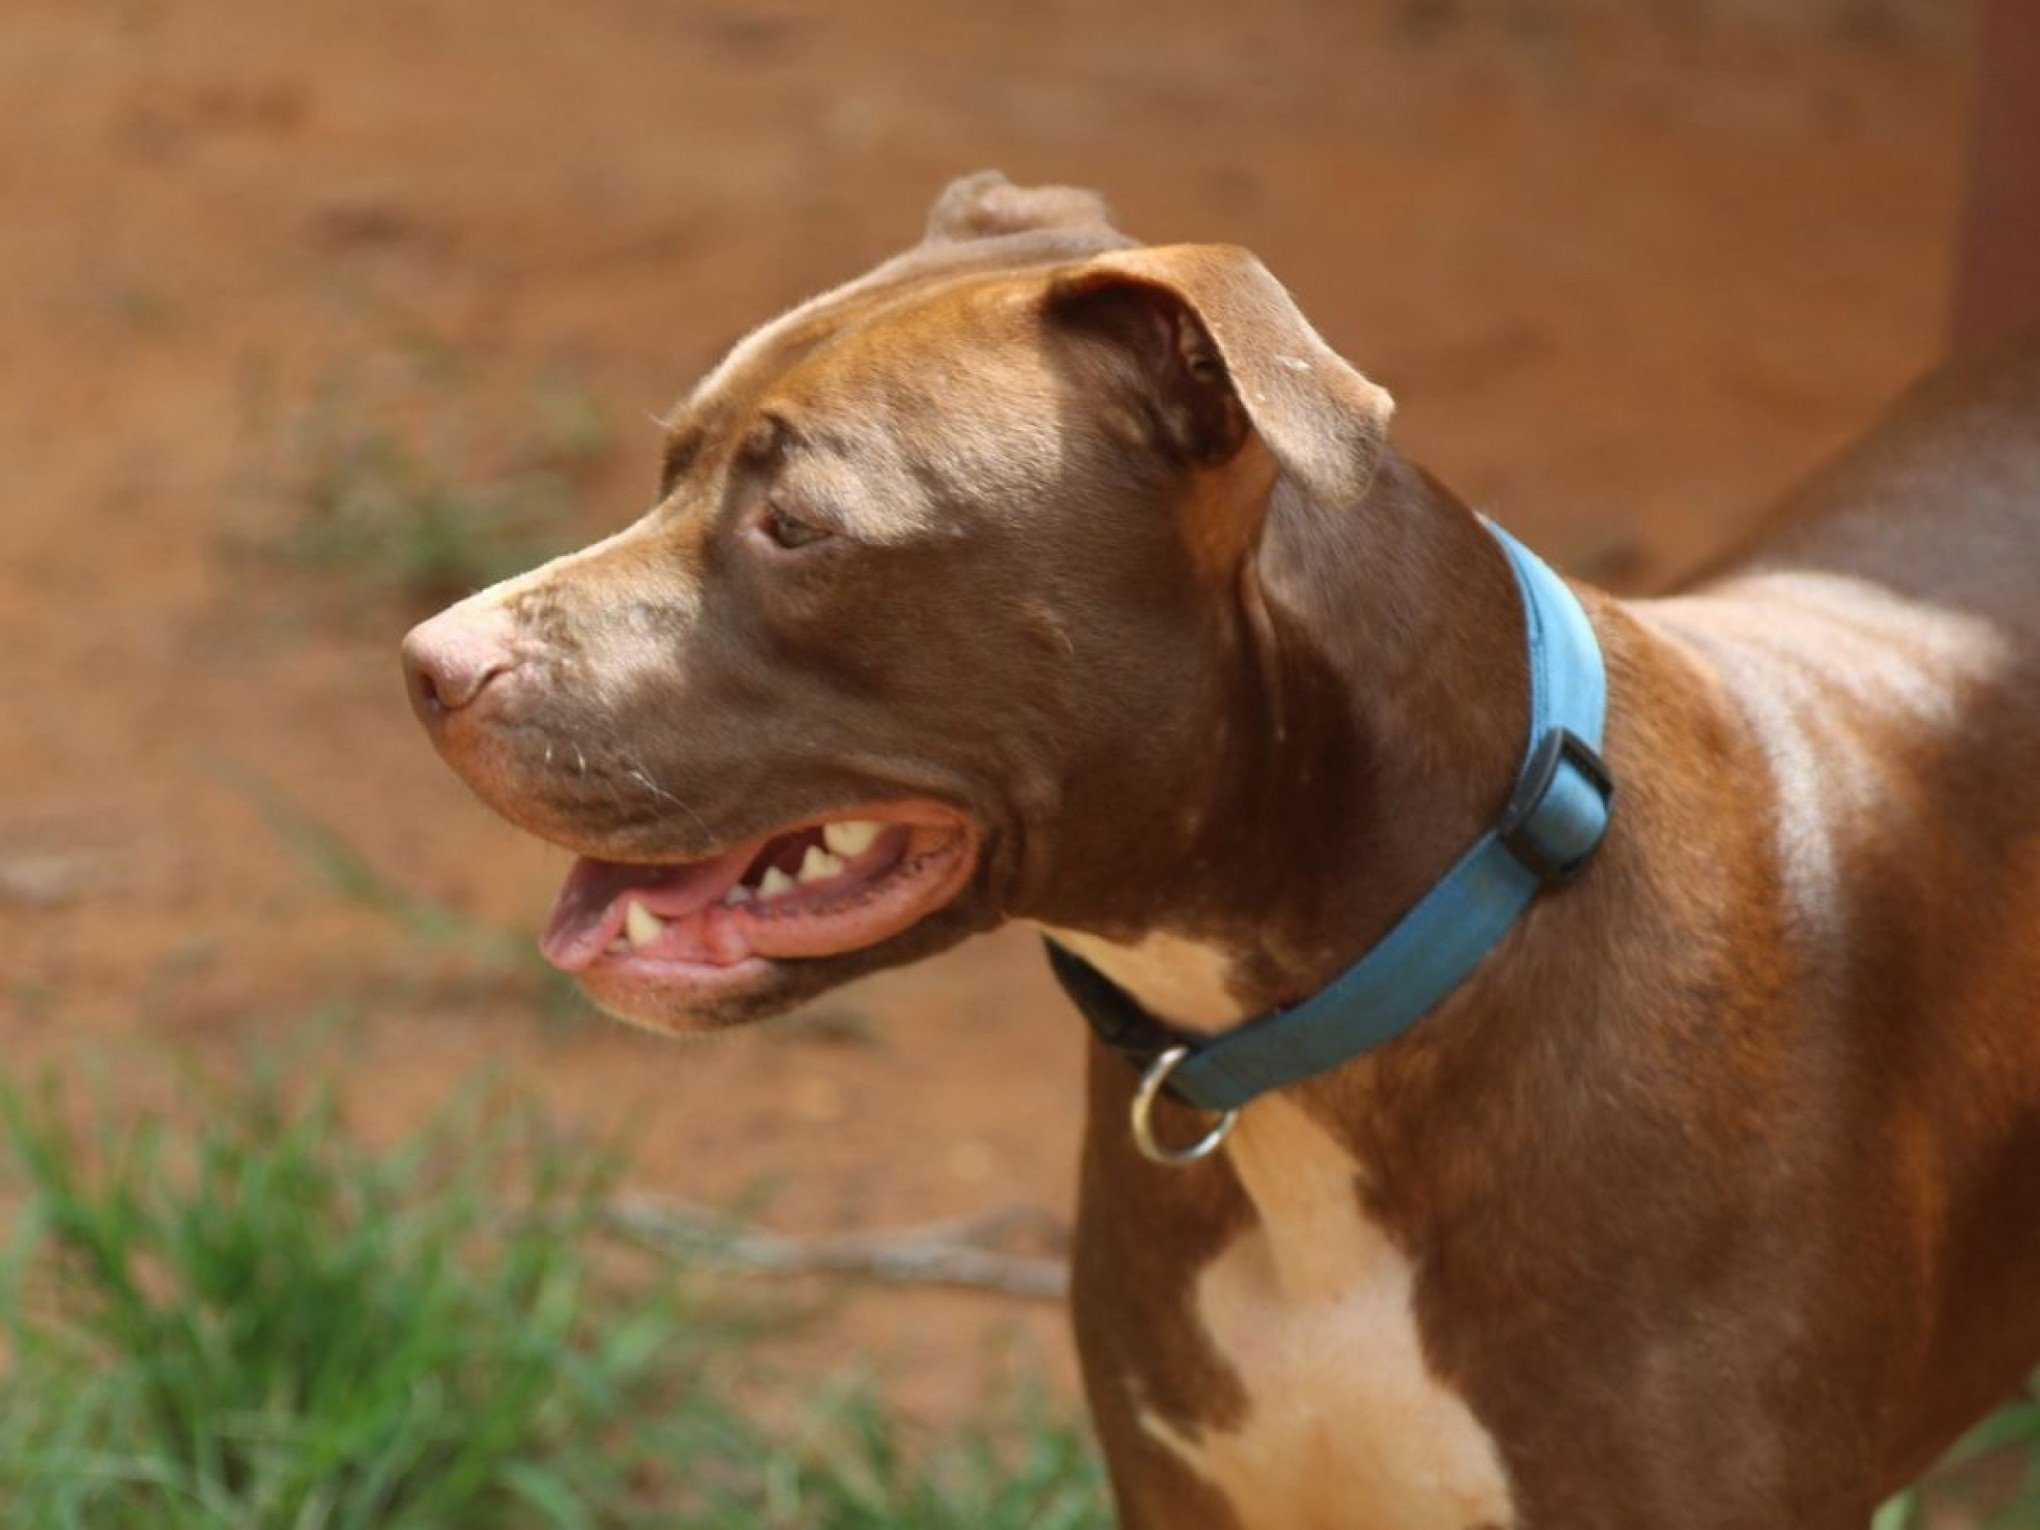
1151, 1085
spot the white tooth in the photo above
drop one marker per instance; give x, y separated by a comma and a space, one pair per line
851, 837
641, 924
774, 882
818, 865
618, 946
738, 893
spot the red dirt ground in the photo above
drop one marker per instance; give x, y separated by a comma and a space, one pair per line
1629, 268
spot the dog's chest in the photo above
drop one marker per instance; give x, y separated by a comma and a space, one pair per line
1346, 1427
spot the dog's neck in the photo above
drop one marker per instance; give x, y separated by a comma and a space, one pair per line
1377, 705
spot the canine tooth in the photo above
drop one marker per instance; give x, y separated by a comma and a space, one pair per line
774, 882
641, 924
818, 865
738, 893
851, 837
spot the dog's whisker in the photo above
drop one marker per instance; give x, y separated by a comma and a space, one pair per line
638, 774
644, 778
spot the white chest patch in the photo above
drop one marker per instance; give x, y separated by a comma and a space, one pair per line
1183, 981
1346, 1427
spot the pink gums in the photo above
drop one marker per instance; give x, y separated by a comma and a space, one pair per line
916, 864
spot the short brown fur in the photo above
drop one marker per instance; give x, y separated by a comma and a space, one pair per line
1719, 1175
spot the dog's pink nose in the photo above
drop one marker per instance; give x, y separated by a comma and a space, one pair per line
451, 660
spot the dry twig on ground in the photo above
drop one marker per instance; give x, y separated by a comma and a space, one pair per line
966, 1252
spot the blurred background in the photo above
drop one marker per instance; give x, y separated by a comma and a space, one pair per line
315, 315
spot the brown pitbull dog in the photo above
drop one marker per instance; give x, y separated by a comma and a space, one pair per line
1037, 575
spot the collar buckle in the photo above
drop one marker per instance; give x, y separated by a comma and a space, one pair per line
1559, 808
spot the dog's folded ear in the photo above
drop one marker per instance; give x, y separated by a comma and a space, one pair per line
988, 206
1223, 348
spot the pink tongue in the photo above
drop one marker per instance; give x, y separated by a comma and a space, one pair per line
589, 912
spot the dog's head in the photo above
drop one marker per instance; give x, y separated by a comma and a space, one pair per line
928, 625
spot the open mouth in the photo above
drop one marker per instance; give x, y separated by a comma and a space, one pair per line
837, 884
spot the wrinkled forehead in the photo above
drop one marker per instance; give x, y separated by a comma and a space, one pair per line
918, 355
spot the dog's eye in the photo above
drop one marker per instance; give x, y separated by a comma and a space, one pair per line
789, 531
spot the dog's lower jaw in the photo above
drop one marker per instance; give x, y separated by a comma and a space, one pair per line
772, 986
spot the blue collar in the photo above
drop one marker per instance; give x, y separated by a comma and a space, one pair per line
1554, 819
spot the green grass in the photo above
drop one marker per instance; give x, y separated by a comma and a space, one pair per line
239, 1318
392, 515
379, 512
251, 1322
2012, 1436
1993, 1474
494, 960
